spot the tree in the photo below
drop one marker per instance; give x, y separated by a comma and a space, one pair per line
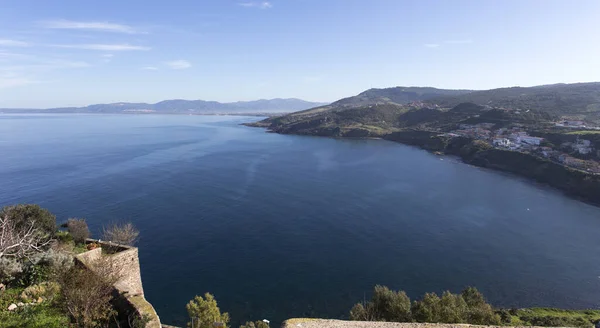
479, 312
121, 234
204, 312
25, 215
427, 309
391, 305
453, 308
20, 239
385, 305
78, 229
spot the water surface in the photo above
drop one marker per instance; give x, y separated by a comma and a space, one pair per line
285, 226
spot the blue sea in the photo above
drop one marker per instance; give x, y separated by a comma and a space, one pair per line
281, 226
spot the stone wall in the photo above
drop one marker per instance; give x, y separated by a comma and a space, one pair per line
125, 262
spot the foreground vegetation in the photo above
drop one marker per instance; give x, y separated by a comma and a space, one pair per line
40, 283
468, 307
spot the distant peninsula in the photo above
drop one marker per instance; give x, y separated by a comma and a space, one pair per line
548, 133
180, 106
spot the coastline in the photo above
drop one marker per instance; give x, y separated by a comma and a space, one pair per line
573, 183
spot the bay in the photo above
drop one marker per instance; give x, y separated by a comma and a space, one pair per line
279, 226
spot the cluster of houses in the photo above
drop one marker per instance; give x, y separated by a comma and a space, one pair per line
516, 139
513, 138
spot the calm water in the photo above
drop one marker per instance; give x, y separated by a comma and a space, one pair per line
285, 226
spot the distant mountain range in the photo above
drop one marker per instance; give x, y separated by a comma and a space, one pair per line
178, 106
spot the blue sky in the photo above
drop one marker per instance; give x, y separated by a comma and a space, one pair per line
73, 52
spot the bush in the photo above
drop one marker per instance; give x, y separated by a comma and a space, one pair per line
387, 305
255, 324
63, 237
78, 228
204, 312
390, 305
86, 294
10, 269
427, 309
48, 290
122, 234
24, 214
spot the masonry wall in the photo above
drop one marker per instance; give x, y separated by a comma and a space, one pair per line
126, 264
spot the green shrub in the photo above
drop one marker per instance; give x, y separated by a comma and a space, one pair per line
25, 214
390, 305
255, 324
387, 305
10, 269
204, 312
427, 309
63, 237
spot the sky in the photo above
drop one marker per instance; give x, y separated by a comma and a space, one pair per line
75, 53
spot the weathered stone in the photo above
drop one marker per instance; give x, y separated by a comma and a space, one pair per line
40, 300
20, 304
12, 307
2, 287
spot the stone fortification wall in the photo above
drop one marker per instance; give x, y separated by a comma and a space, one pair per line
125, 262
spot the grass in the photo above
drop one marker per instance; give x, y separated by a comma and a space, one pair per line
555, 317
584, 132
43, 315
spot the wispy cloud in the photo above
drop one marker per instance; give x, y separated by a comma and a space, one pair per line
44, 65
93, 26
431, 45
256, 4
179, 64
107, 57
150, 68
104, 47
465, 41
12, 43
9, 82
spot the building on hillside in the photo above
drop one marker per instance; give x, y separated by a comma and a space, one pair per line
583, 146
502, 142
531, 140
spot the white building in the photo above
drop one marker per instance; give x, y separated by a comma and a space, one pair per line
502, 142
531, 140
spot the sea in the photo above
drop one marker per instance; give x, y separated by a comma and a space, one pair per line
282, 226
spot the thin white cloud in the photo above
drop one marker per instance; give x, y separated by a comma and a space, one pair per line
90, 26
431, 45
44, 65
107, 55
150, 68
9, 82
12, 43
256, 4
465, 41
179, 64
104, 47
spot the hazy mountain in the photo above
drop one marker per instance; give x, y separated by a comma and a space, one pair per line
189, 106
377, 112
559, 99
